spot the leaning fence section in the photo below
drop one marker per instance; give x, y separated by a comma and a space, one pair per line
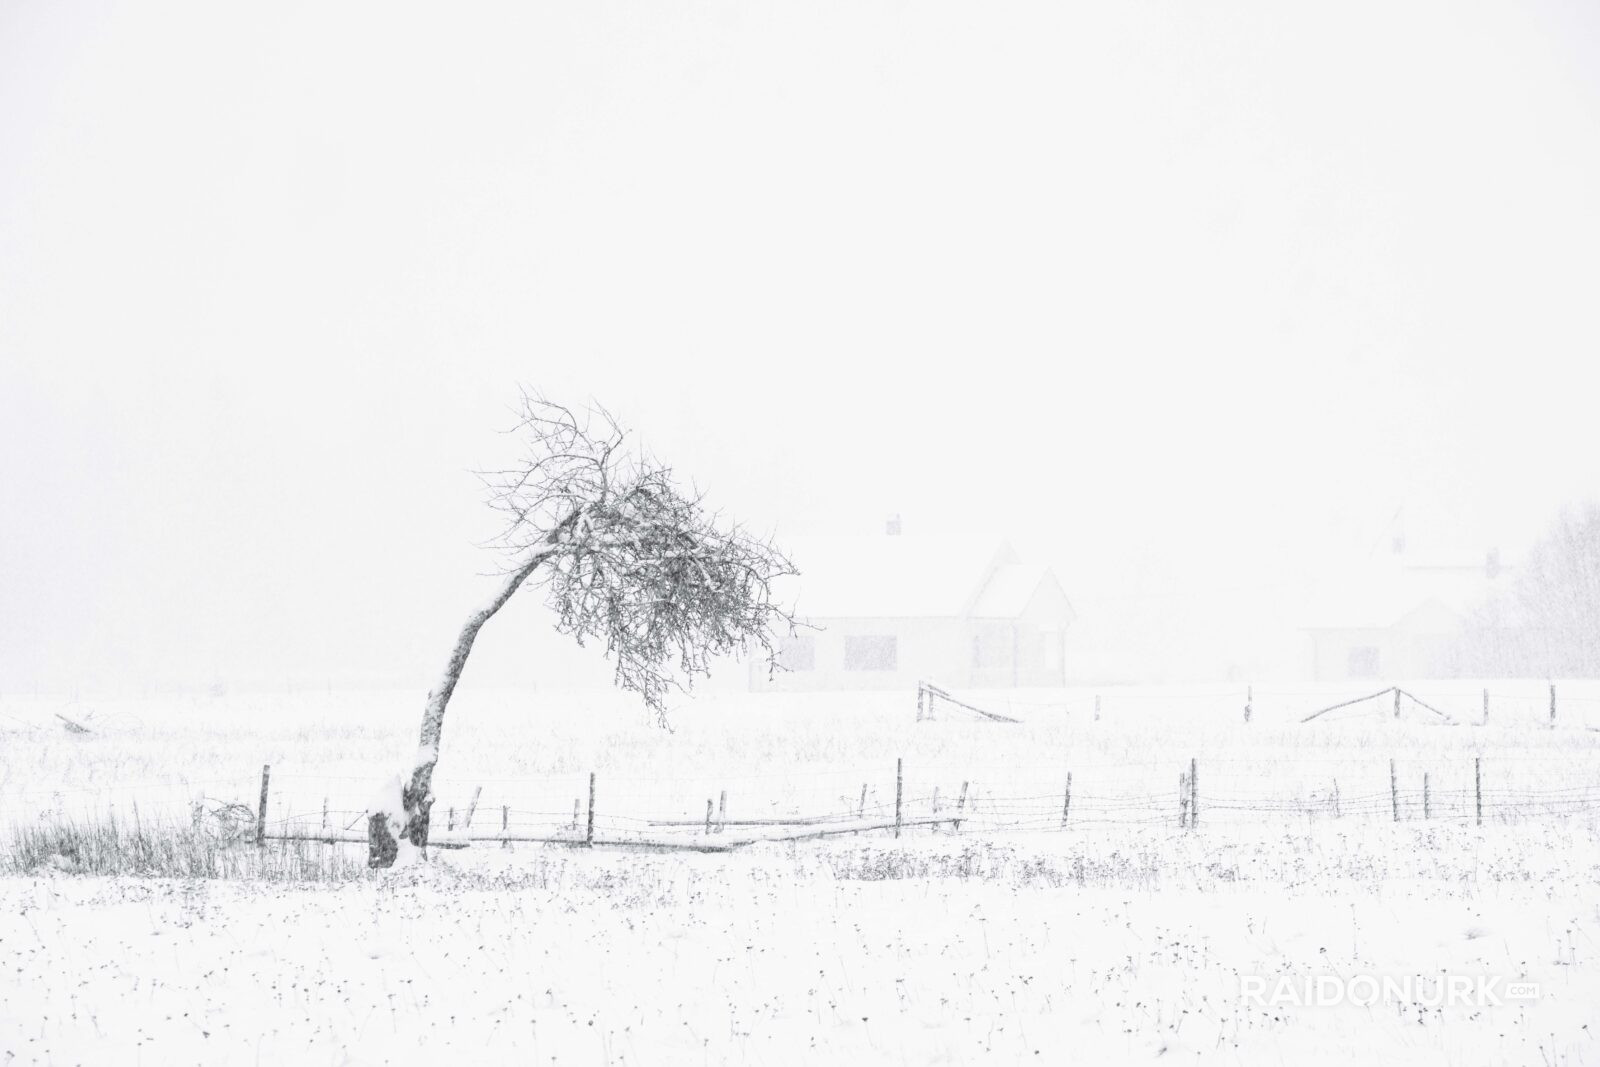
1446, 702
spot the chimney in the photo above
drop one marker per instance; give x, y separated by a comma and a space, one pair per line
892, 527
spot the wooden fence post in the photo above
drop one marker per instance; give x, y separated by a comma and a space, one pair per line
1066, 801
1477, 785
1394, 792
505, 826
899, 783
961, 806
920, 690
589, 838
1183, 800
324, 814
1194, 792
708, 815
1097, 707
861, 809
576, 805
1553, 706
1427, 809
1249, 699
1336, 798
722, 812
471, 808
450, 819
261, 812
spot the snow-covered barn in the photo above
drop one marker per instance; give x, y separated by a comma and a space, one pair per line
1399, 617
894, 609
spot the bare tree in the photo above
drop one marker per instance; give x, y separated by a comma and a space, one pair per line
1548, 621
625, 557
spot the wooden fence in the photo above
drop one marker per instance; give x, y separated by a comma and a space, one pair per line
1411, 797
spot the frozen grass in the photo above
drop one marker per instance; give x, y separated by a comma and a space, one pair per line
1562, 857
112, 847
1118, 938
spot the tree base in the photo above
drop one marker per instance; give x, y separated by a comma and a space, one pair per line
382, 848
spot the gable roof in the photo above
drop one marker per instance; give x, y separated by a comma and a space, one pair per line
1008, 591
907, 576
1388, 595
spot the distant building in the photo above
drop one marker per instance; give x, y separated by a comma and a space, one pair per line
1400, 617
892, 610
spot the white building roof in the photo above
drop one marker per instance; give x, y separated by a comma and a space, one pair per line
907, 576
1008, 591
1388, 592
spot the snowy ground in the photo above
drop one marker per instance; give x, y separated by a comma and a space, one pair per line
777, 958
782, 755
1118, 939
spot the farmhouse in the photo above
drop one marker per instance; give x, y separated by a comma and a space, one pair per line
892, 610
1398, 618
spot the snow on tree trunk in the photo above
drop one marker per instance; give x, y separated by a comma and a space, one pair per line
416, 797
385, 814
382, 848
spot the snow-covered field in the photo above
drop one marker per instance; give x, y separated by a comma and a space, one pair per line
1120, 938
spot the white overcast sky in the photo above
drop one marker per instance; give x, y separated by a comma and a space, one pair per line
1185, 297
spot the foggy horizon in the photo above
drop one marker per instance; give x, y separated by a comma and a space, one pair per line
1186, 304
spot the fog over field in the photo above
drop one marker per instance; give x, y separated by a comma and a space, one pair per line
1121, 478
1191, 302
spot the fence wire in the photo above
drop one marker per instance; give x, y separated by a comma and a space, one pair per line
668, 811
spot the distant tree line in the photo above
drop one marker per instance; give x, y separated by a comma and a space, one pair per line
1546, 623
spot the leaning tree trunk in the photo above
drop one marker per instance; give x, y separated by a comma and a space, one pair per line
416, 794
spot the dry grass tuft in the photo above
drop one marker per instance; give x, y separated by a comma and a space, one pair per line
113, 847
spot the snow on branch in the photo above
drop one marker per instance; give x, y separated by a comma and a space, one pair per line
630, 558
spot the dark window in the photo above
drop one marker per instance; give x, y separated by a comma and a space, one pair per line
1362, 662
798, 654
869, 653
